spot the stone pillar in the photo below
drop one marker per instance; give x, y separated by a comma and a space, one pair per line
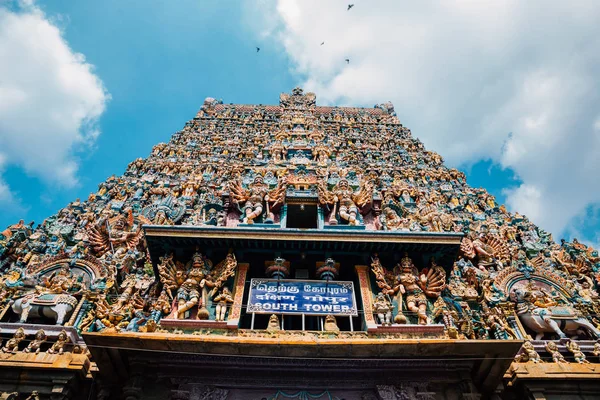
133, 388
366, 295
236, 309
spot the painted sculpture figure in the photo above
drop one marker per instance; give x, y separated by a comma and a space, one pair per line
51, 299
411, 286
257, 198
383, 309
345, 201
543, 315
223, 300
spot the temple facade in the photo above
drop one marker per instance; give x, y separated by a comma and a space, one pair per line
295, 251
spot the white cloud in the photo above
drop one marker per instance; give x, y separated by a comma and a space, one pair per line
462, 75
50, 98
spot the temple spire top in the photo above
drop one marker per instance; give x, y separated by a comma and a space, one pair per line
297, 99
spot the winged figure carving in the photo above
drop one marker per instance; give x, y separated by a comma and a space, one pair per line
257, 197
190, 284
222, 272
349, 202
489, 250
171, 275
410, 287
116, 234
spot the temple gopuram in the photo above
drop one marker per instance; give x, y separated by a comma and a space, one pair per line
295, 251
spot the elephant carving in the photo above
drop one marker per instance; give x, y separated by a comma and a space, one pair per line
51, 305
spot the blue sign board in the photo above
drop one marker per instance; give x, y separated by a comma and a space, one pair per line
286, 296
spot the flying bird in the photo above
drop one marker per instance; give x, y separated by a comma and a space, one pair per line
257, 49
350, 6
347, 61
322, 43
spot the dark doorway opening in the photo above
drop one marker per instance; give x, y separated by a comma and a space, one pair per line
302, 216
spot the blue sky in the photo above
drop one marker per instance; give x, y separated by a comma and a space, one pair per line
158, 63
461, 78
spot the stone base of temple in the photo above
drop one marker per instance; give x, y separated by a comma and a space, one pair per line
549, 380
285, 366
54, 376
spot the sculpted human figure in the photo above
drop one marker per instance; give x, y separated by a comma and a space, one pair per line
577, 353
383, 309
552, 348
596, 350
321, 152
407, 282
585, 291
224, 299
192, 286
488, 250
188, 294
59, 282
10, 282
256, 197
12, 344
529, 354
59, 346
391, 221
348, 201
36, 344
278, 152
430, 215
115, 234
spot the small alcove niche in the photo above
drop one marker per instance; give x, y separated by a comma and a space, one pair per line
302, 216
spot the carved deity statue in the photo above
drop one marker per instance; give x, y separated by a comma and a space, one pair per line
392, 219
12, 344
528, 354
577, 353
278, 152
36, 344
223, 300
322, 152
552, 348
383, 309
61, 281
406, 282
254, 199
346, 200
489, 250
188, 294
59, 346
192, 285
117, 234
